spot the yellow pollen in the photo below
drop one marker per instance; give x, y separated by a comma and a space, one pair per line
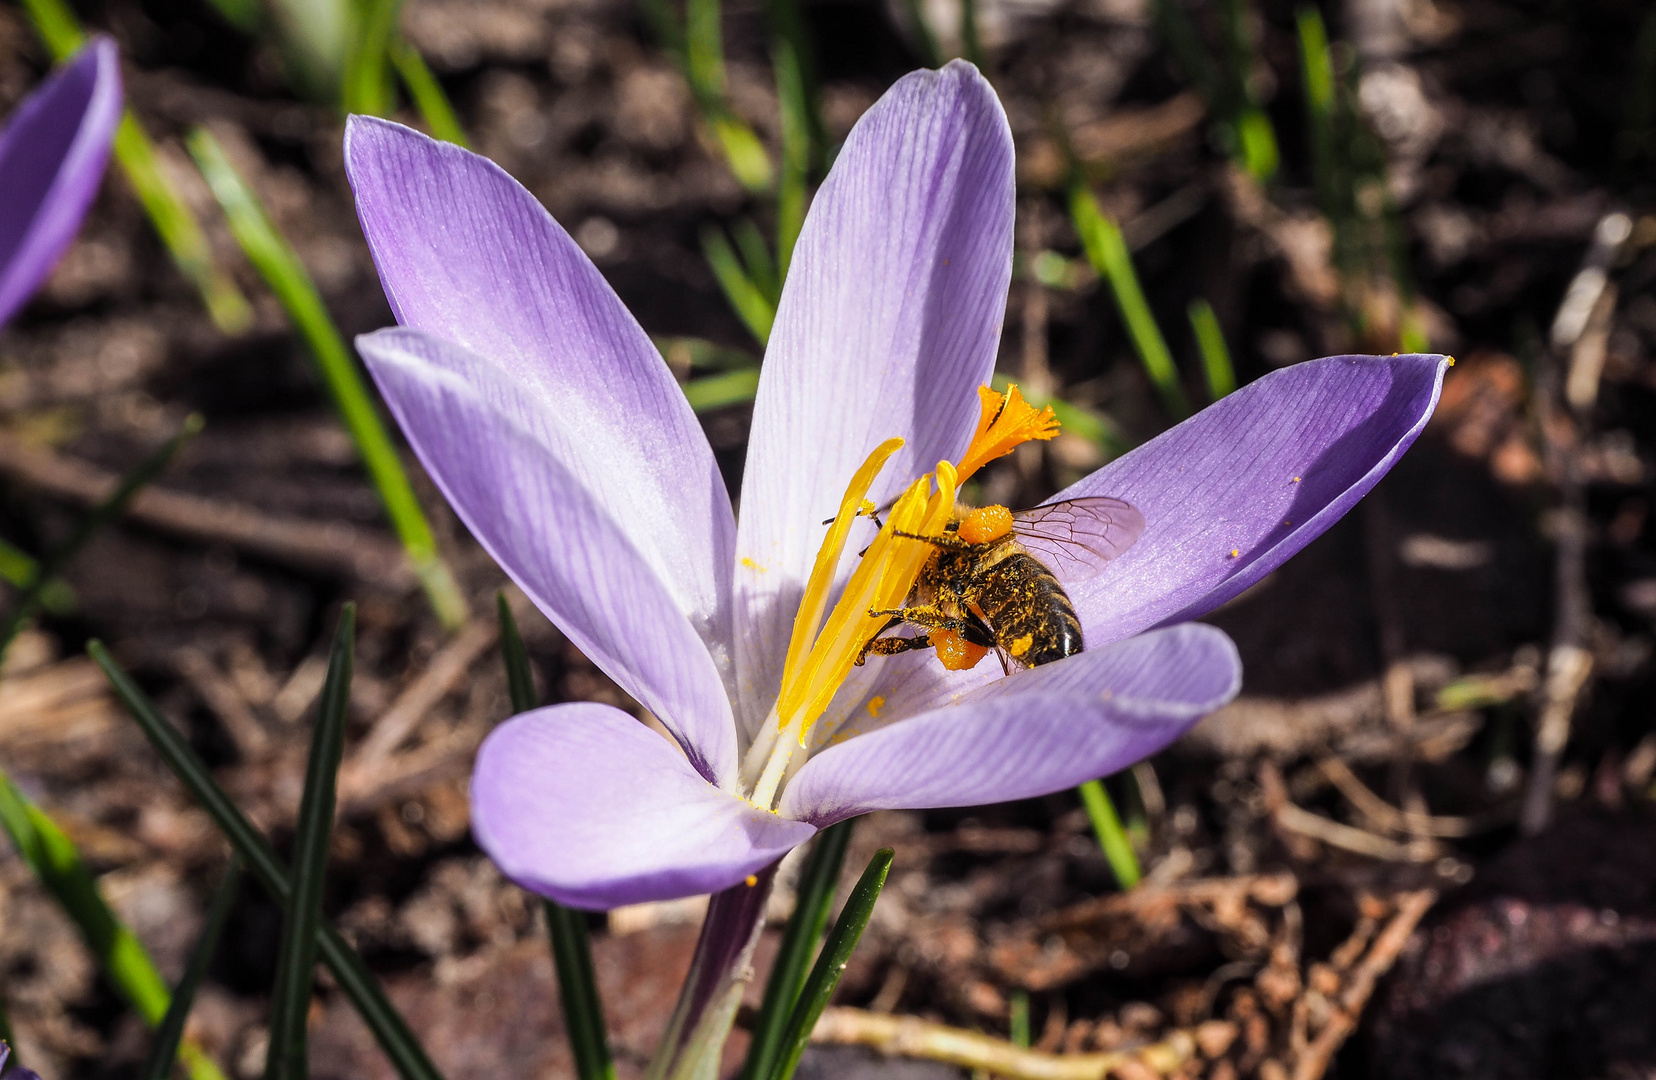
875, 704
752, 880
1022, 645
1006, 422
747, 561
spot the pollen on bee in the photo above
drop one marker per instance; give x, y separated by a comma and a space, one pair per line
875, 704
954, 652
1022, 645
985, 524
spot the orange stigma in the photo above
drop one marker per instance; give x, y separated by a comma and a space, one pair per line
1006, 422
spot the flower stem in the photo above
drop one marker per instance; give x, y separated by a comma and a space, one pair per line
1118, 850
719, 972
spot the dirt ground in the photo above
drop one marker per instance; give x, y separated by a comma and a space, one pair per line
1338, 883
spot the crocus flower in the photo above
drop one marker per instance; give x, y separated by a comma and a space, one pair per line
554, 428
17, 1072
52, 156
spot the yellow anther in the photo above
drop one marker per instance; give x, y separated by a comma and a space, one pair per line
1006, 422
815, 600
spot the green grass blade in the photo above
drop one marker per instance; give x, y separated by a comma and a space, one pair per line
830, 964
1210, 341
164, 1047
389, 1028
797, 138
925, 42
6, 1036
578, 988
1107, 251
704, 47
571, 946
366, 85
174, 222
971, 42
427, 93
756, 256
717, 391
1317, 79
287, 1058
56, 862
520, 685
1017, 1020
692, 352
1112, 838
19, 568
101, 515
817, 879
245, 15
749, 301
286, 275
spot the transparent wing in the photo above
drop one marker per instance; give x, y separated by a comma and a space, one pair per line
1077, 537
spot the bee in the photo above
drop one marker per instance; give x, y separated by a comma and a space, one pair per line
991, 583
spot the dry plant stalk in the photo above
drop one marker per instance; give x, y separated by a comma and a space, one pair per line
912, 1037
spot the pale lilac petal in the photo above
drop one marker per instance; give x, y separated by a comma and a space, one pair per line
52, 157
887, 326
1230, 494
1032, 733
466, 254
501, 457
586, 805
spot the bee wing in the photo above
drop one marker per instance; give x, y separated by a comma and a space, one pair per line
1077, 537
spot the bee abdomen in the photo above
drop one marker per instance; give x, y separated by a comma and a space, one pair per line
1031, 614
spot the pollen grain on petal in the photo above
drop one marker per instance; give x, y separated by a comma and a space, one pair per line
875, 704
1006, 422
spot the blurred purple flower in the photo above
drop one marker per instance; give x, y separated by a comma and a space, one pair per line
17, 1072
552, 425
52, 157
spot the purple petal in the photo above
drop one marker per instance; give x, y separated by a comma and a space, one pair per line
466, 254
503, 457
586, 805
52, 157
1230, 494
887, 326
1032, 733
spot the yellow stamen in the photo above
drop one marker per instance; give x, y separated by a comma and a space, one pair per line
1006, 422
821, 580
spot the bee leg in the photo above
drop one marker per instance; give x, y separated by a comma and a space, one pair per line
932, 618
945, 541
892, 623
891, 646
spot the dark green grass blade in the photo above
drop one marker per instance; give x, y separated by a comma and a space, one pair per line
57, 863
296, 958
287, 277
830, 964
805, 926
101, 515
164, 1047
389, 1028
571, 947
427, 93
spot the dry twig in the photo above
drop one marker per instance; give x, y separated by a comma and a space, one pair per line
332, 547
912, 1037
